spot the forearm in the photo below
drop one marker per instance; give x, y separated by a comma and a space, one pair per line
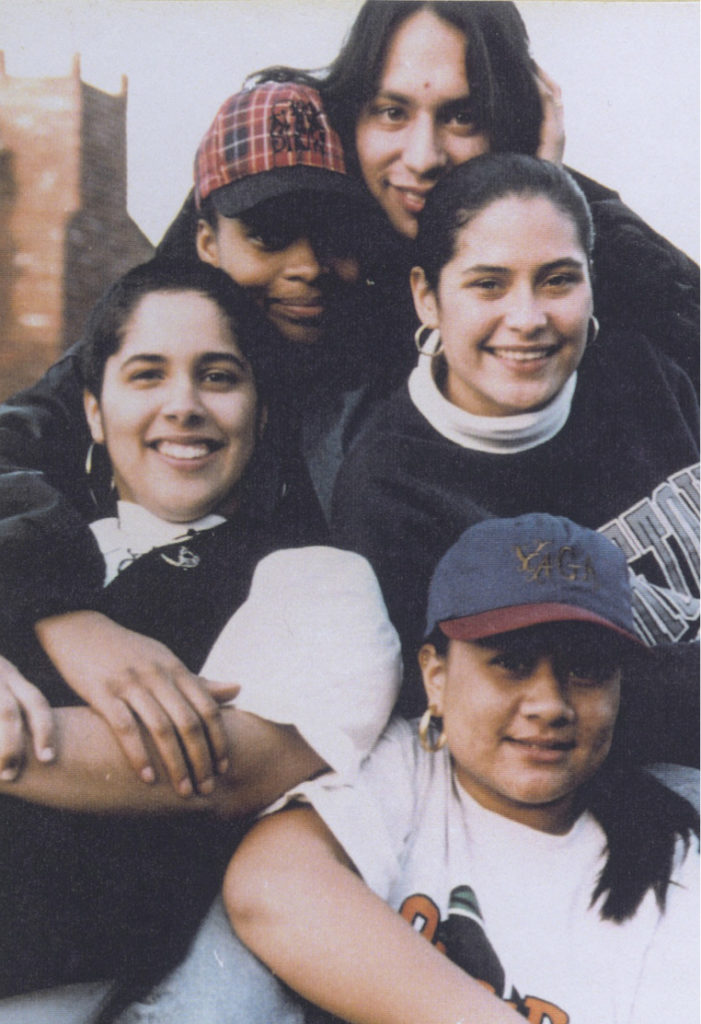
90, 772
323, 932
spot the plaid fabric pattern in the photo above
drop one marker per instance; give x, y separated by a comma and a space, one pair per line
272, 126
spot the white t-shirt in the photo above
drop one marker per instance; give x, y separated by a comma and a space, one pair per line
458, 871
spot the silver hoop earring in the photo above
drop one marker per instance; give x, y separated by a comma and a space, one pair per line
428, 341
592, 330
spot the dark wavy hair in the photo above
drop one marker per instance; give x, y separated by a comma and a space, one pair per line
642, 818
468, 189
499, 69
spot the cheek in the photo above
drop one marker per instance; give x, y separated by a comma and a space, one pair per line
347, 270
461, 150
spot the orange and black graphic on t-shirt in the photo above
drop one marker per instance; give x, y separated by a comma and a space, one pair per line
464, 941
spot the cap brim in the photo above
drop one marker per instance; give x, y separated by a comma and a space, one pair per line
505, 620
234, 199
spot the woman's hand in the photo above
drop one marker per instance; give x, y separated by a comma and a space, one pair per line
25, 715
135, 683
551, 145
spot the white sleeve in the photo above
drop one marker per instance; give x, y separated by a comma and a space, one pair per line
669, 982
313, 647
372, 813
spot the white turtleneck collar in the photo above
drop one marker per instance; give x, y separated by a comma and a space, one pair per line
134, 531
498, 435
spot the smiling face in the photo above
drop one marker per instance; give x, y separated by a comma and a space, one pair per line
420, 123
512, 305
178, 408
293, 275
527, 723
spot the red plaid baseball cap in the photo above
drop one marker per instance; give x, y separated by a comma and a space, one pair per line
269, 141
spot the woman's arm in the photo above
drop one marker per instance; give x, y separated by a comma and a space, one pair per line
293, 898
90, 772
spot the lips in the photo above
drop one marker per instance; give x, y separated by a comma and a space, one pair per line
542, 751
412, 199
539, 743
299, 308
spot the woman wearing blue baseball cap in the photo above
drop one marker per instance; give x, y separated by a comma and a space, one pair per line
505, 827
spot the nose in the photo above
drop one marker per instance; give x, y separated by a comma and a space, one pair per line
304, 261
424, 154
525, 313
182, 401
544, 697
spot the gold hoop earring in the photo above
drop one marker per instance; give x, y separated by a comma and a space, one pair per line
428, 341
425, 725
592, 330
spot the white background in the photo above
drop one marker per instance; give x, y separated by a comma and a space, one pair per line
629, 73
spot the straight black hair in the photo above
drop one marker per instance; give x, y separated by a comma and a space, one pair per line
498, 67
471, 187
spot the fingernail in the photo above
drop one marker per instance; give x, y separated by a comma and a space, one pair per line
47, 754
223, 765
148, 775
8, 774
207, 786
185, 788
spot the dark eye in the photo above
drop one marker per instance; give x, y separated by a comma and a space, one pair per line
269, 241
388, 113
561, 281
487, 284
147, 375
587, 674
221, 379
517, 665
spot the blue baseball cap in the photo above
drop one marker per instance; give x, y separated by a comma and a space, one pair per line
506, 574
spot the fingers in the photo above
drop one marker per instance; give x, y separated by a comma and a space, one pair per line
24, 712
552, 131
222, 692
182, 721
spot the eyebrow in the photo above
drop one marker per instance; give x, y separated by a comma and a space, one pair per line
486, 268
400, 97
206, 357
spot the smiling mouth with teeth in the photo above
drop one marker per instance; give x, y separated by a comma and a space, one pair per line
523, 355
191, 451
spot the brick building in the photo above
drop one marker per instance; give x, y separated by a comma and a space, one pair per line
65, 233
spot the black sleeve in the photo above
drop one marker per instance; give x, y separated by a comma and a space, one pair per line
49, 560
659, 718
641, 281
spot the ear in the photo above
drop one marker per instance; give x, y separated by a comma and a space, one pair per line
94, 417
207, 243
432, 667
425, 301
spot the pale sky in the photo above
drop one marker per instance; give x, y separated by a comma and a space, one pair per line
629, 73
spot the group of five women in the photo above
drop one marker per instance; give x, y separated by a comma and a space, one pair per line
416, 184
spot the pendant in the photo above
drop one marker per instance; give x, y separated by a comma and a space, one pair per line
186, 559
